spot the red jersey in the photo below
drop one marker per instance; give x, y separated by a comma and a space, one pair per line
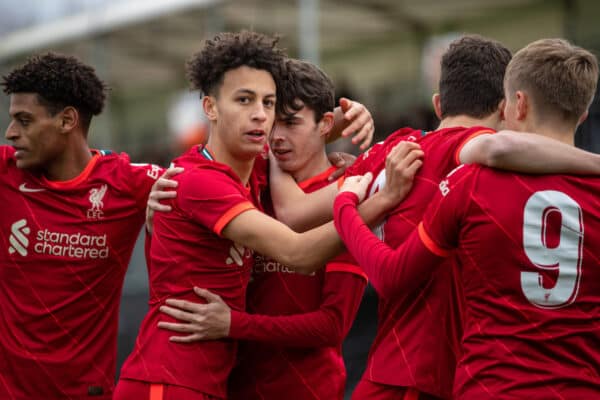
529, 248
66, 246
428, 316
296, 324
187, 250
528, 251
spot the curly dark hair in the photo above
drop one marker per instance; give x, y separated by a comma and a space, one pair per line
472, 75
305, 84
228, 50
59, 81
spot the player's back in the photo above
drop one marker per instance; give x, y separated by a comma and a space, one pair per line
530, 253
66, 246
425, 316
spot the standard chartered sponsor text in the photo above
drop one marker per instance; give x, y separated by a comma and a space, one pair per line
74, 245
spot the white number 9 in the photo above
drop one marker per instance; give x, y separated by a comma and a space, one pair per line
564, 258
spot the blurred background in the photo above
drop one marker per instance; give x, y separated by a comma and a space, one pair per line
383, 53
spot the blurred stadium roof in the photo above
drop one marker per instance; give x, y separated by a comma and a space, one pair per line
376, 51
138, 43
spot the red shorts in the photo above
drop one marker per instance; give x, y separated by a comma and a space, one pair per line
128, 389
367, 390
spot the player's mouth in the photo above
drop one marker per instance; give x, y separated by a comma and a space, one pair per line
282, 154
19, 152
257, 135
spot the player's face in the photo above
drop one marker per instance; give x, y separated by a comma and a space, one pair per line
245, 110
296, 141
34, 133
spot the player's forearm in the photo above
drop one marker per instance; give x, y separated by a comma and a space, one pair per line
374, 209
326, 326
314, 329
298, 210
390, 271
529, 153
309, 251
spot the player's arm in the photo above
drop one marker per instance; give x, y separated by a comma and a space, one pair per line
390, 271
303, 211
529, 153
162, 189
326, 326
266, 235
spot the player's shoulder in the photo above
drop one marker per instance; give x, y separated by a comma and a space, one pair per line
464, 175
6, 155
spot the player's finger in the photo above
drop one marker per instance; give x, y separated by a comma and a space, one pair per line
338, 173
185, 305
156, 206
370, 128
172, 171
175, 327
363, 133
178, 314
356, 125
161, 195
187, 339
412, 169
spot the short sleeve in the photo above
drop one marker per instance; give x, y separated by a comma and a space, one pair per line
210, 197
142, 177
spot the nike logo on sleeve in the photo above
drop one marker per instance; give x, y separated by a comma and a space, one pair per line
26, 189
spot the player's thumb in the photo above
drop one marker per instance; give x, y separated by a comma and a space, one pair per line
367, 178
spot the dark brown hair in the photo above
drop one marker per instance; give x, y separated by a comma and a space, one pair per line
472, 75
59, 81
305, 84
227, 51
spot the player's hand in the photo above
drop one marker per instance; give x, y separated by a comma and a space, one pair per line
401, 165
199, 321
358, 185
160, 192
361, 125
342, 161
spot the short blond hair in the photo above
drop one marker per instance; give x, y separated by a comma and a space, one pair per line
558, 76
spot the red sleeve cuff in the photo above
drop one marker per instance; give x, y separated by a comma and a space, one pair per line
430, 244
346, 267
231, 214
239, 324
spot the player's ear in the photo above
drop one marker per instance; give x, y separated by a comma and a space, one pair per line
437, 105
522, 105
209, 105
69, 118
326, 123
501, 108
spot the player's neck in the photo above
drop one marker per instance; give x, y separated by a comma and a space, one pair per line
71, 162
313, 167
564, 135
241, 166
468, 122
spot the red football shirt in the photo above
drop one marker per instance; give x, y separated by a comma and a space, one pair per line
296, 324
66, 247
428, 316
528, 251
186, 251
529, 248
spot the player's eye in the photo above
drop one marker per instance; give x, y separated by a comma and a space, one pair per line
244, 100
269, 103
